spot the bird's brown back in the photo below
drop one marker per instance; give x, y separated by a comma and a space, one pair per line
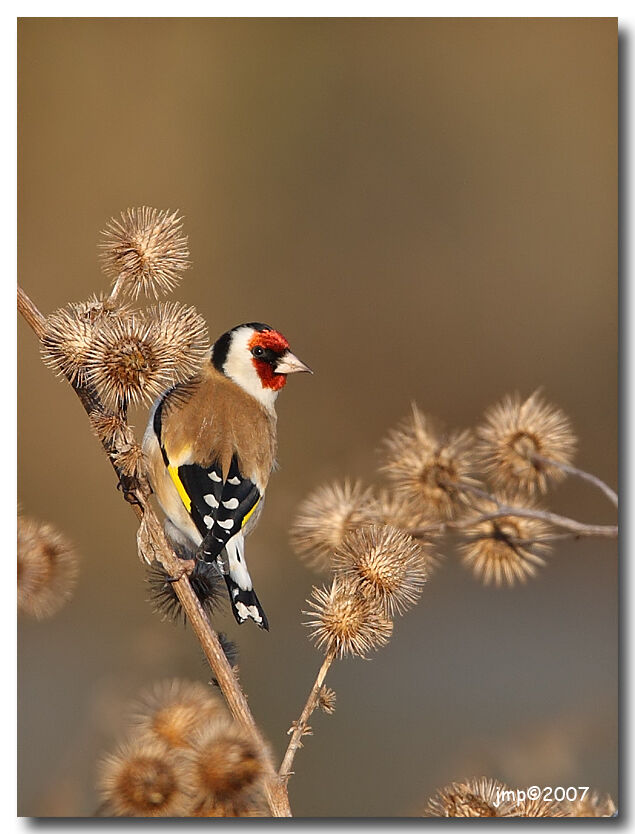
217, 420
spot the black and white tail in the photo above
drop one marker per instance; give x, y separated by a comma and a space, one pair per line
245, 604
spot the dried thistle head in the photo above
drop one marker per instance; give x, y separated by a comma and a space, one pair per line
592, 805
326, 700
226, 767
111, 429
387, 563
145, 250
505, 549
537, 808
144, 778
129, 360
184, 332
173, 710
253, 804
47, 568
427, 468
482, 797
326, 516
130, 460
68, 334
345, 621
206, 581
393, 511
513, 432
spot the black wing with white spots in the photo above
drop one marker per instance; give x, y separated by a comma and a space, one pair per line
218, 508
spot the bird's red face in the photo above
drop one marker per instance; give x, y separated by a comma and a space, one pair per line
272, 358
258, 358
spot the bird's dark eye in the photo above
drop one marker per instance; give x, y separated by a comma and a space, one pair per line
257, 351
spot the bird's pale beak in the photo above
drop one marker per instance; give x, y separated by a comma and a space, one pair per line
290, 364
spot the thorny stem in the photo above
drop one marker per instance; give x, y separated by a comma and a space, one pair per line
300, 727
236, 701
580, 473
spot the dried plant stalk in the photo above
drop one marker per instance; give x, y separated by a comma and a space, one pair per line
137, 496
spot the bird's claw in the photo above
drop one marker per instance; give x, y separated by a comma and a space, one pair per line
185, 569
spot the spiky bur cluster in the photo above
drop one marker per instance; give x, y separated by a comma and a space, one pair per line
327, 699
125, 355
120, 356
143, 778
47, 568
184, 757
207, 583
386, 563
521, 444
486, 797
172, 710
438, 485
226, 771
592, 805
427, 468
472, 798
345, 621
68, 335
135, 358
506, 549
145, 251
326, 516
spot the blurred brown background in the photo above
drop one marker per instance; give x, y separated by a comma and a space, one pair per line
428, 210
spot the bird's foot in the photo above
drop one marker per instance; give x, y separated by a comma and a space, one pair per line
186, 568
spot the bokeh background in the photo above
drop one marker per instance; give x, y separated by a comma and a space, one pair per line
428, 210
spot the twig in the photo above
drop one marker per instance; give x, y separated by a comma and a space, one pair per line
576, 528
30, 313
580, 473
236, 701
301, 725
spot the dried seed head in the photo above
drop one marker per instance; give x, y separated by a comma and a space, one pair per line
504, 549
184, 332
473, 798
129, 360
537, 808
173, 710
515, 431
145, 779
394, 511
111, 429
206, 581
68, 333
593, 805
130, 460
427, 468
146, 250
226, 766
253, 804
326, 700
47, 568
347, 621
326, 516
387, 563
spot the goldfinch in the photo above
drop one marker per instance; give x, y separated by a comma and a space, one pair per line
210, 446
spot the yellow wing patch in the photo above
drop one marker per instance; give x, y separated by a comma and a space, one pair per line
185, 498
250, 513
